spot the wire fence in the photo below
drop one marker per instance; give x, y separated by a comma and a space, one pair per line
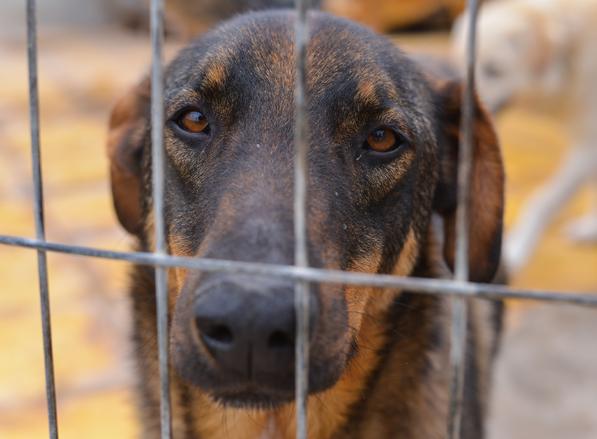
459, 289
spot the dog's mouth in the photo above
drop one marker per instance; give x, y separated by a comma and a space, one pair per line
254, 397
260, 390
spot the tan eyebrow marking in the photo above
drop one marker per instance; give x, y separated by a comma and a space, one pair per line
215, 76
215, 68
366, 92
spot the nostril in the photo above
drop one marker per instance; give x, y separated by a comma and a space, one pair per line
215, 335
280, 340
220, 333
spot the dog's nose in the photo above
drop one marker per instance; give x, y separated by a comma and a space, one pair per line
249, 328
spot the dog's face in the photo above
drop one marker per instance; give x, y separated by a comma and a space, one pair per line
516, 46
382, 158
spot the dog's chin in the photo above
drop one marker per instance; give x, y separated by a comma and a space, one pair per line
252, 399
256, 394
248, 394
263, 389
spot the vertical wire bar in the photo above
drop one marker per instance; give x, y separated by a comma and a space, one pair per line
40, 233
301, 298
459, 307
157, 154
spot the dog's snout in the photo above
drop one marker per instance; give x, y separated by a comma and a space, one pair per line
249, 328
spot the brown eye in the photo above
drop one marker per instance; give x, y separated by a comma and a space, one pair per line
193, 122
382, 140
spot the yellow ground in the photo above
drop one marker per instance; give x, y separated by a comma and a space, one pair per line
80, 77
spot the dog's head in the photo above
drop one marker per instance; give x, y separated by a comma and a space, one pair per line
382, 158
520, 49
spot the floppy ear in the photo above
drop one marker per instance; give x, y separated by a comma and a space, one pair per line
486, 185
126, 136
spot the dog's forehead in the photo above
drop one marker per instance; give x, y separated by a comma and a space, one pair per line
257, 50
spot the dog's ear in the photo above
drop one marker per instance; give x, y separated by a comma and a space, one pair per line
127, 131
486, 184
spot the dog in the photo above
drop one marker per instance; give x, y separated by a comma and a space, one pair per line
388, 15
544, 51
195, 17
187, 19
383, 149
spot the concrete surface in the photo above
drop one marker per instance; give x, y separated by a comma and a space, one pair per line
545, 384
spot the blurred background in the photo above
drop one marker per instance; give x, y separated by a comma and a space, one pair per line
90, 52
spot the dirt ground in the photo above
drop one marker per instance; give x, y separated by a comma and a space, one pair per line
546, 380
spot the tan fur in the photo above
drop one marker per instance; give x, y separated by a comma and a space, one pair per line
216, 73
366, 92
178, 247
386, 15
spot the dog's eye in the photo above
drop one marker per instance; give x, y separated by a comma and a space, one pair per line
382, 140
193, 121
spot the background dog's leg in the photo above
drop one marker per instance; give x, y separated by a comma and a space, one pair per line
584, 229
543, 206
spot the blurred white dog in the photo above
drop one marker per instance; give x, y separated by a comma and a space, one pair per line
542, 49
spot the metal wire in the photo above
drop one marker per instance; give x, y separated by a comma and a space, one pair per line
316, 275
301, 294
44, 298
459, 305
157, 165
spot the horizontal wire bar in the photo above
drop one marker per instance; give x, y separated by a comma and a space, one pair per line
414, 284
42, 265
